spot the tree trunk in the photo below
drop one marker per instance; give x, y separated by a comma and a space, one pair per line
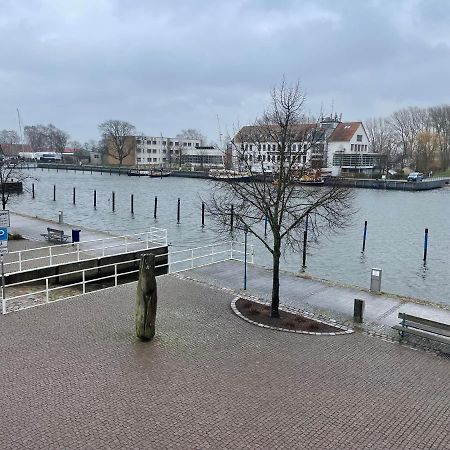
146, 299
276, 281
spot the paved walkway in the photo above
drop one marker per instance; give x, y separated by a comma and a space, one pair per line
320, 297
74, 377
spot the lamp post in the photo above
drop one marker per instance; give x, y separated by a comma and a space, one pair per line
245, 257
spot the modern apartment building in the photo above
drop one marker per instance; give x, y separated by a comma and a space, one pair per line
166, 152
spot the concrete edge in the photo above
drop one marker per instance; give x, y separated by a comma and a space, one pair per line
290, 310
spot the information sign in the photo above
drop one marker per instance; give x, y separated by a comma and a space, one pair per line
4, 218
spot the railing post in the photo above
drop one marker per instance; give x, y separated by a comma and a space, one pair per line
78, 251
46, 291
51, 256
212, 254
84, 282
3, 304
103, 247
147, 240
231, 250
252, 253
192, 258
20, 261
126, 244
115, 274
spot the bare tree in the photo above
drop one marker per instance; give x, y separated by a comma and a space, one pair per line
10, 172
56, 139
36, 136
192, 133
381, 140
440, 120
116, 133
286, 206
9, 137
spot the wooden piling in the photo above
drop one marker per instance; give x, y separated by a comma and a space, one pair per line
155, 207
113, 201
364, 236
425, 246
74, 196
178, 211
95, 199
132, 204
203, 214
54, 192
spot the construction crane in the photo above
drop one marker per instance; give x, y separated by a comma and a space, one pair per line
220, 133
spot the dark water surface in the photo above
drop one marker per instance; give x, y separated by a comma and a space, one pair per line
395, 232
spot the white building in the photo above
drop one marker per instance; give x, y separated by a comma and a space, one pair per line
339, 146
165, 152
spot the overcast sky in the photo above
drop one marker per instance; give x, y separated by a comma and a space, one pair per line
169, 65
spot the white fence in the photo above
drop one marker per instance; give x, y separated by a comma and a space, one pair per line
36, 258
42, 290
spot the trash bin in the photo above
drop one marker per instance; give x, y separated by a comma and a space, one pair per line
375, 280
75, 236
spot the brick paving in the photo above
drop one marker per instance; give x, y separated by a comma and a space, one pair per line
74, 377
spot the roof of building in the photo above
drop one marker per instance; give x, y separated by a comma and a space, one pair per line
344, 131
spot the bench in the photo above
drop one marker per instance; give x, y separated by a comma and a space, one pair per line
424, 328
54, 235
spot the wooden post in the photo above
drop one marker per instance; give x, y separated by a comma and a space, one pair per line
54, 192
358, 310
178, 211
146, 298
364, 236
155, 207
95, 199
32, 189
425, 246
113, 201
203, 214
74, 196
132, 204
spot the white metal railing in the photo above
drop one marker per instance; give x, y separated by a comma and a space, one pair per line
176, 262
36, 258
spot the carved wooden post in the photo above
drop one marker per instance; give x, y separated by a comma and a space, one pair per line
146, 299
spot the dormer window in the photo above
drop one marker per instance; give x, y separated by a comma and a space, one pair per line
359, 137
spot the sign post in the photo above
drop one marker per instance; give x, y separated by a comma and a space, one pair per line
3, 250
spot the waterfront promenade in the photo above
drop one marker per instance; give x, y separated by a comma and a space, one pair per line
74, 377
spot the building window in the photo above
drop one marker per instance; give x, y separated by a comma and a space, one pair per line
352, 147
171, 143
184, 144
177, 143
359, 137
138, 159
264, 147
148, 150
149, 159
154, 142
155, 159
189, 144
197, 144
154, 150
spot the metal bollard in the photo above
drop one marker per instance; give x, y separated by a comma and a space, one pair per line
358, 310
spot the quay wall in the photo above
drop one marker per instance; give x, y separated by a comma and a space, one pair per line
398, 185
93, 268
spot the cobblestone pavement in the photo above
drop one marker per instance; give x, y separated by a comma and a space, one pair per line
74, 377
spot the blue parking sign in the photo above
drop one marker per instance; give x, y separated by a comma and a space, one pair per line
3, 234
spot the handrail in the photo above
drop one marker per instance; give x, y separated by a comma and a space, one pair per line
190, 262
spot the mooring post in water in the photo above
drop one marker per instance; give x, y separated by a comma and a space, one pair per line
113, 201
232, 218
178, 210
91, 170
203, 214
32, 189
74, 196
265, 226
54, 192
95, 199
110, 171
364, 236
425, 246
132, 204
155, 207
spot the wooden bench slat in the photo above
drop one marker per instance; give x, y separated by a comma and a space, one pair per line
427, 328
426, 322
422, 334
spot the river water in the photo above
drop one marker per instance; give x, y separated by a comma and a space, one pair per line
396, 223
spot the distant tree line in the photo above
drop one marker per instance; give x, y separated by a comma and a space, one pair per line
413, 137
